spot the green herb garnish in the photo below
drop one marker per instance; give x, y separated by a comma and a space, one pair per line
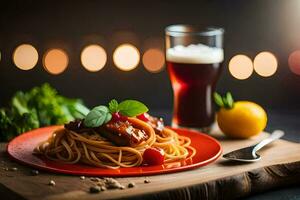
225, 101
131, 108
102, 114
113, 106
97, 116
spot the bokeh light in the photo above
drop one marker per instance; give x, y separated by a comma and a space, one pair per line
25, 57
93, 58
55, 61
241, 67
126, 57
154, 60
265, 64
294, 62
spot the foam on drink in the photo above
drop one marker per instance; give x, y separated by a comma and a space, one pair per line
195, 54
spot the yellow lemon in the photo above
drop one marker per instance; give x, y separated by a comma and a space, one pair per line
243, 120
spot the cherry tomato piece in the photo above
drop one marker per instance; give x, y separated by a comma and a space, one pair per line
154, 156
144, 117
118, 117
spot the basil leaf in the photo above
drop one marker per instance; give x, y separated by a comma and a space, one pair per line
131, 108
108, 118
218, 99
97, 116
113, 106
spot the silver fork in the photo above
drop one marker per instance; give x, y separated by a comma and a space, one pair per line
249, 154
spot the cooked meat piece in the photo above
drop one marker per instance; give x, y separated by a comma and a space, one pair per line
157, 124
75, 125
122, 133
78, 127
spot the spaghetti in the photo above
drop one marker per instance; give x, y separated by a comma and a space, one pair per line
90, 147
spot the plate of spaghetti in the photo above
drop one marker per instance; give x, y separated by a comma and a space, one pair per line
120, 139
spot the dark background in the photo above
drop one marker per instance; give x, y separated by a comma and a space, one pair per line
251, 27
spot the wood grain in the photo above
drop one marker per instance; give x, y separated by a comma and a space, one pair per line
280, 166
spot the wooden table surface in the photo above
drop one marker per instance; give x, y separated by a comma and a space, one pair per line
280, 166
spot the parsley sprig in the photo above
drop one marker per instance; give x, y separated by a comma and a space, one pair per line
100, 115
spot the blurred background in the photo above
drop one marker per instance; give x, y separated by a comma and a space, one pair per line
98, 50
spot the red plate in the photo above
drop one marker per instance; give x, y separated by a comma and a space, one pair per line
21, 148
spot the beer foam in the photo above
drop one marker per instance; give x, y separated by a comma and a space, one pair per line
195, 54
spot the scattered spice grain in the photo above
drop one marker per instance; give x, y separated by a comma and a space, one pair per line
34, 172
95, 189
51, 183
147, 181
131, 185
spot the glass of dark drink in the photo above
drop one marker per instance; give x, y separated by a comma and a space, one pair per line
194, 59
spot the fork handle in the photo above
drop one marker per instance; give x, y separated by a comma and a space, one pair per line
274, 136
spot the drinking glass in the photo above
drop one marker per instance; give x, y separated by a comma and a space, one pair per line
194, 59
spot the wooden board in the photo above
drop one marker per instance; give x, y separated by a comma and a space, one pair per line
280, 166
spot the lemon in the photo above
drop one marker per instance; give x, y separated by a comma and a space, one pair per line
243, 120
